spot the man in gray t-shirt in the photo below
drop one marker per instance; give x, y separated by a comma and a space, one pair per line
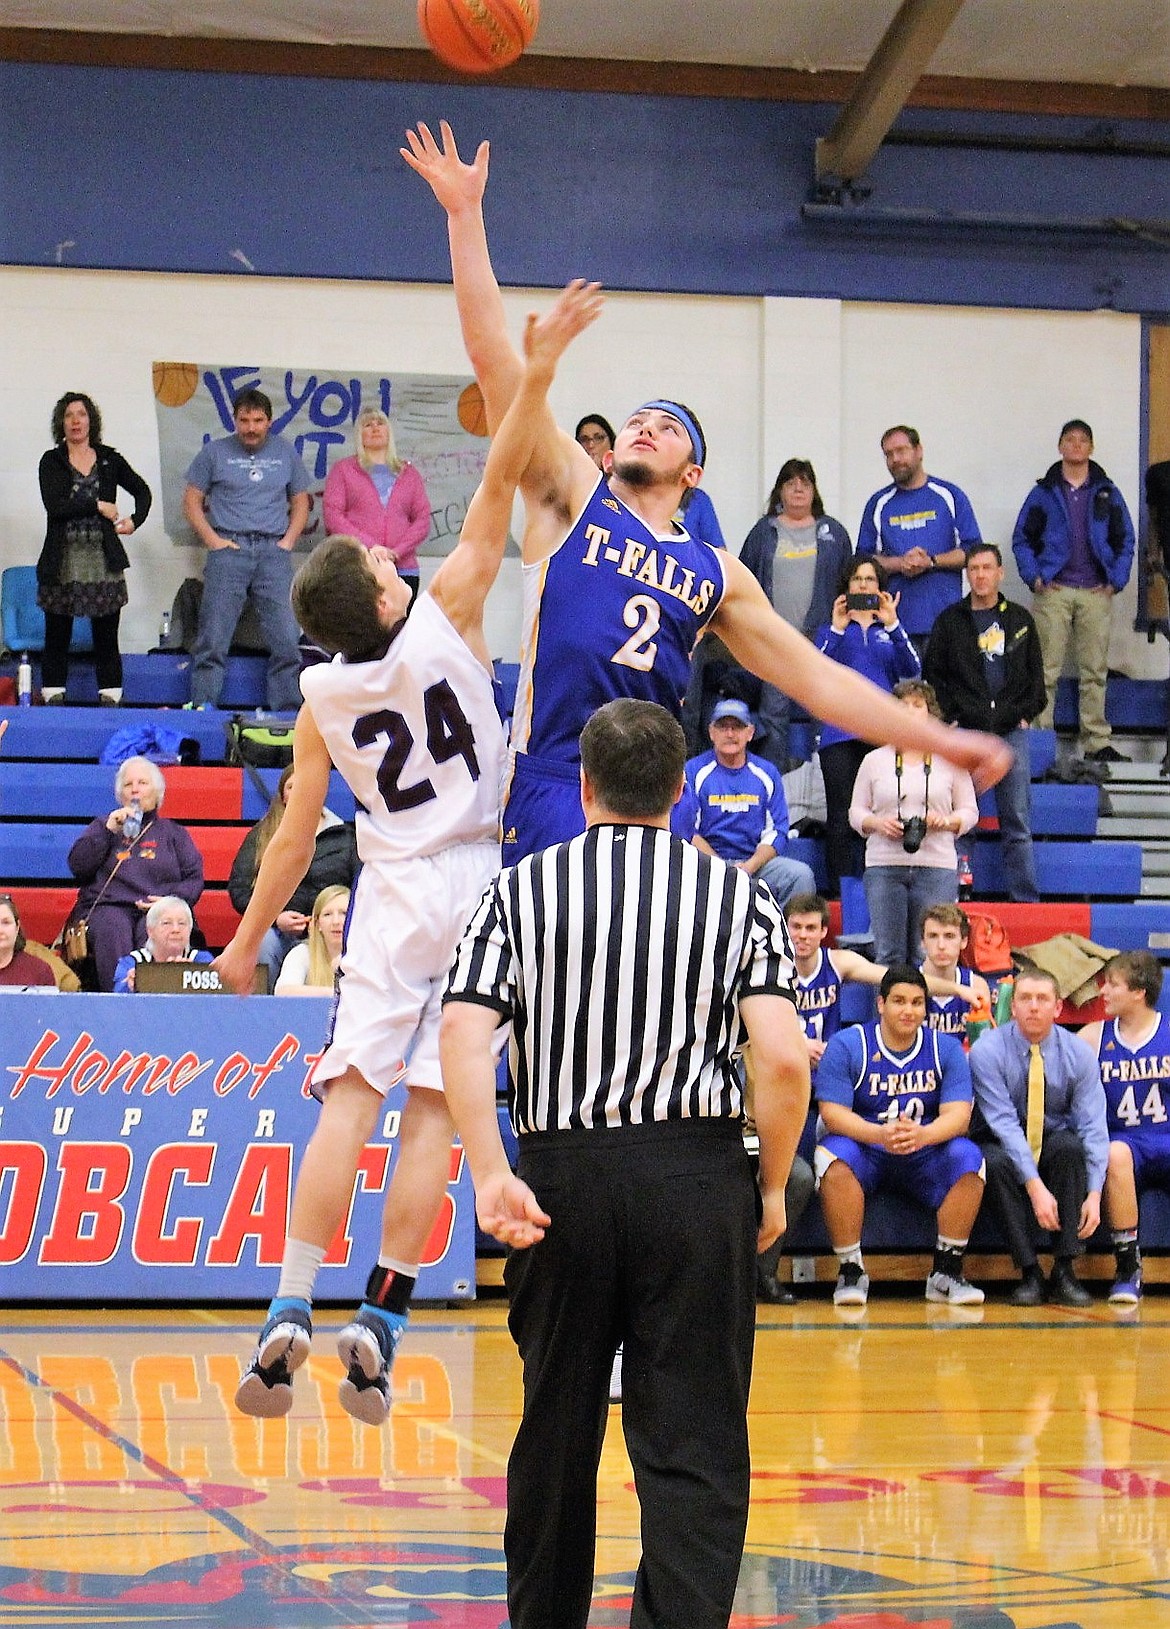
247, 499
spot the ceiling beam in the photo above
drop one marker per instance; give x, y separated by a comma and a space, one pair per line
890, 76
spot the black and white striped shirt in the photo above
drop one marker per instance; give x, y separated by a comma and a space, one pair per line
620, 958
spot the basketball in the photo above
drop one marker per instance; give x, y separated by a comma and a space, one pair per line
478, 36
471, 412
174, 382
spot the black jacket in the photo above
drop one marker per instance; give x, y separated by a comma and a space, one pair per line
955, 667
335, 860
56, 478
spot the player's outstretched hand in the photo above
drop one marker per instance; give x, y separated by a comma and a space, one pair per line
456, 185
235, 969
507, 1209
547, 336
986, 758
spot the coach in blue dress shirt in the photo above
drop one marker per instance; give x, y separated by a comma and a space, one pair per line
1061, 1184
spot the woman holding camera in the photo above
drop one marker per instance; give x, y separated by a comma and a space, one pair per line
864, 634
909, 808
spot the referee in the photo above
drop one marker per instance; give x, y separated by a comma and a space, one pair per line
627, 962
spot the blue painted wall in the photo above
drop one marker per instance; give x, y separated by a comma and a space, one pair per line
302, 176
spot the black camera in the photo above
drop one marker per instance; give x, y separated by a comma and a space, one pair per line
863, 602
913, 831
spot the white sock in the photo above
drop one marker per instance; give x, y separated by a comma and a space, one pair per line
849, 1252
408, 1269
298, 1270
111, 695
48, 691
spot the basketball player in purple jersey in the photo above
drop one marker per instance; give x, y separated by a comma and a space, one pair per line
616, 593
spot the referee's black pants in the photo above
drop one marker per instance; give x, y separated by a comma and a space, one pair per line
651, 1244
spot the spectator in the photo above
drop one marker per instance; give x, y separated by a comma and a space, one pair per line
122, 876
735, 806
945, 931
378, 497
168, 939
18, 967
895, 1100
1133, 1053
1041, 1120
309, 968
920, 527
81, 571
984, 662
255, 491
798, 555
864, 635
910, 808
335, 862
1073, 543
596, 435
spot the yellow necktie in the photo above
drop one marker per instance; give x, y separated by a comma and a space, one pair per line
1035, 1101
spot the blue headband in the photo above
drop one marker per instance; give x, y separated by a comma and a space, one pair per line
677, 411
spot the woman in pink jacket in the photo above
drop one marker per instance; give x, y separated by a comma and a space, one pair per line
378, 498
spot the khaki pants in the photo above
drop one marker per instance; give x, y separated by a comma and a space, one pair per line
1080, 618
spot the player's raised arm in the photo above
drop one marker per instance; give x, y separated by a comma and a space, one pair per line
464, 580
774, 650
459, 187
559, 474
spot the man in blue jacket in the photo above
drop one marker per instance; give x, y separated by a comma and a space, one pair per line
1073, 543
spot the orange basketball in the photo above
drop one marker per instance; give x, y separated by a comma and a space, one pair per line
175, 382
471, 412
478, 36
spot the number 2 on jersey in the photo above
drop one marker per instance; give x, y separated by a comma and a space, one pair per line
449, 735
644, 616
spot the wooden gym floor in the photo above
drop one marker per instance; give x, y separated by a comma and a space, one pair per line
918, 1467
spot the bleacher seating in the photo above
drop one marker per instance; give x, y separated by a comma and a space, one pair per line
22, 619
1092, 884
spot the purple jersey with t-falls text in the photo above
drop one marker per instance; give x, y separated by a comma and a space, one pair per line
818, 998
615, 611
1137, 1080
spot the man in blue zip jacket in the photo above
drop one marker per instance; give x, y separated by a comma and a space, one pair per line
1073, 543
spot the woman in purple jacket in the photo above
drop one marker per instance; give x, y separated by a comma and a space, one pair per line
864, 634
378, 498
125, 862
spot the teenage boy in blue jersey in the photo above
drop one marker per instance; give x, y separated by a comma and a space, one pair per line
1133, 1052
617, 592
895, 1101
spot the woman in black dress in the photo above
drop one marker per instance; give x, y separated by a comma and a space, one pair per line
81, 569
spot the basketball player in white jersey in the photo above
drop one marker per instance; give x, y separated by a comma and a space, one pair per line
406, 711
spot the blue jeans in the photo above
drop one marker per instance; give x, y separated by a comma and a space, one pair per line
265, 572
898, 895
1013, 804
783, 877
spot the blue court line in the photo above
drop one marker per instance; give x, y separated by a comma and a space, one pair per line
350, 1610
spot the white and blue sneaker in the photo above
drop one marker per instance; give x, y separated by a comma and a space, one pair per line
1127, 1291
366, 1347
265, 1388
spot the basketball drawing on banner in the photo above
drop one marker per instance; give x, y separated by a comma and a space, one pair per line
438, 419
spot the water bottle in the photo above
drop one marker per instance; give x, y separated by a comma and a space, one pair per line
164, 628
132, 825
1004, 992
24, 681
979, 1020
966, 876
